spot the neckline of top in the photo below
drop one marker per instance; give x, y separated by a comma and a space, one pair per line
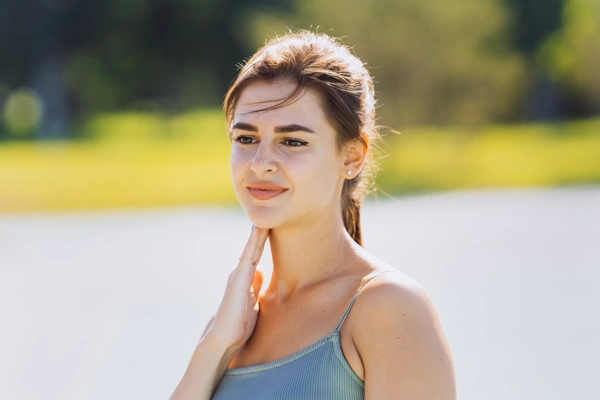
277, 363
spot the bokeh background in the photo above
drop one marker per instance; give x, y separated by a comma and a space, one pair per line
118, 224
117, 103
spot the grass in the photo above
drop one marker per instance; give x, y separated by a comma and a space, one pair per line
148, 160
496, 156
133, 161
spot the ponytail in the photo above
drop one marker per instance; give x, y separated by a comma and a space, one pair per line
351, 211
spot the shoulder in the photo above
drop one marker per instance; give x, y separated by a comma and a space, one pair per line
388, 295
389, 292
397, 333
394, 300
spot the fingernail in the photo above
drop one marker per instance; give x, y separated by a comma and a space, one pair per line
252, 227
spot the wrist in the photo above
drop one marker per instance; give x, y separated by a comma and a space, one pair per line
206, 368
219, 349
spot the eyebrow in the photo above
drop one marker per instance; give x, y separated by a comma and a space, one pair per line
278, 129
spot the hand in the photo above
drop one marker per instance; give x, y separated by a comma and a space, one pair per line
230, 328
236, 318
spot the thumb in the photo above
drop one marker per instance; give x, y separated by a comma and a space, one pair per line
257, 282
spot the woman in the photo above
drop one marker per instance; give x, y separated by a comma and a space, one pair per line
334, 322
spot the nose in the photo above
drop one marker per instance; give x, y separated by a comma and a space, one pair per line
264, 160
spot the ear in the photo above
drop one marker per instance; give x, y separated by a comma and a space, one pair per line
354, 159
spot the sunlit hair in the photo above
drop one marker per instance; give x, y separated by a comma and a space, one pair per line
321, 63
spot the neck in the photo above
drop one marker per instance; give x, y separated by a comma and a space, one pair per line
306, 255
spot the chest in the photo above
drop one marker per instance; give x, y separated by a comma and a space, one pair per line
284, 330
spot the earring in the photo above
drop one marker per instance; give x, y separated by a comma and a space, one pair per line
349, 172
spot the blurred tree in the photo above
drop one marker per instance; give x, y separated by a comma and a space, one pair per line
171, 54
436, 62
31, 55
571, 56
533, 21
87, 56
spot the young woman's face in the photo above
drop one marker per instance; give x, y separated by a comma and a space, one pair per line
285, 163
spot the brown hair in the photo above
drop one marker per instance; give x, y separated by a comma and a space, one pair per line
321, 63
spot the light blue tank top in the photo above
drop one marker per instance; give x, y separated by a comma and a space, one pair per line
317, 372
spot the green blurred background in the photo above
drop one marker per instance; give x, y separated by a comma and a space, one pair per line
115, 104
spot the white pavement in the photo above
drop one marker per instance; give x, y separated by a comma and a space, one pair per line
109, 305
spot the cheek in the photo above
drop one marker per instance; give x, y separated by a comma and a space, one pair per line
237, 164
238, 168
317, 176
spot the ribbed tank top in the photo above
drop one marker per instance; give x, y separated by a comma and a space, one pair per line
319, 371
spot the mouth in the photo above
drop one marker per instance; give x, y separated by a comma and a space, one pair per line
265, 191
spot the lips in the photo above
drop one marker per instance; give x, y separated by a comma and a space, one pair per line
265, 190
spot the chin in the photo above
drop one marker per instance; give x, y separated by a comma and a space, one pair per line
264, 222
262, 217
269, 218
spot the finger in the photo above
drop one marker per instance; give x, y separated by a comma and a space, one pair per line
249, 249
262, 240
253, 249
243, 275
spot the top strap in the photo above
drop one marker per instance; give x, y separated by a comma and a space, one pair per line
355, 297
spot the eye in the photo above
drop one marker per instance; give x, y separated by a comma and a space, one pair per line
245, 139
294, 142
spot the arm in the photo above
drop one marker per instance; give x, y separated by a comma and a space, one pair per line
402, 345
229, 329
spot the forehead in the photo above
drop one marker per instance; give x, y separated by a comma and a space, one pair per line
258, 96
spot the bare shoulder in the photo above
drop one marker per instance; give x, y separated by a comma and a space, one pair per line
393, 300
397, 333
388, 292
393, 293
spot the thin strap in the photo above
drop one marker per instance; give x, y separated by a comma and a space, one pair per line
355, 297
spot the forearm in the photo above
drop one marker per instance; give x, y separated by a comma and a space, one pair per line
206, 368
